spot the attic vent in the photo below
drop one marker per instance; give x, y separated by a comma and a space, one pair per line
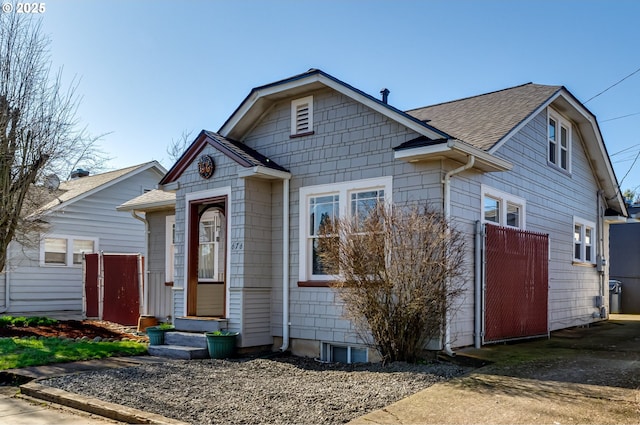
302, 116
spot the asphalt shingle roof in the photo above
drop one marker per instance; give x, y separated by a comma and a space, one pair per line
71, 189
484, 120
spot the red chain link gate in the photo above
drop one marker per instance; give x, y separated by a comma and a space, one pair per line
516, 284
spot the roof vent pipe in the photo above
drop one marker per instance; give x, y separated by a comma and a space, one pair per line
78, 173
385, 95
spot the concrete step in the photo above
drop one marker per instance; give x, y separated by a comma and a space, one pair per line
199, 324
178, 352
188, 339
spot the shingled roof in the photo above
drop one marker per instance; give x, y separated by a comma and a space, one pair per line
72, 190
484, 120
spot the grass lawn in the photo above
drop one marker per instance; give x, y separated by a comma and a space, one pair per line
24, 352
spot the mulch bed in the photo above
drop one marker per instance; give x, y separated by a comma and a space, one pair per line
74, 329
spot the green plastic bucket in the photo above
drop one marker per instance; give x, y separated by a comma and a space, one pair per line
221, 344
156, 335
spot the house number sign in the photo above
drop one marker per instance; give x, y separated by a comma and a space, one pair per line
206, 167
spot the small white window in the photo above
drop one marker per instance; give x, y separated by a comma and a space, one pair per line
502, 208
55, 251
559, 136
58, 250
583, 238
209, 248
302, 116
81, 246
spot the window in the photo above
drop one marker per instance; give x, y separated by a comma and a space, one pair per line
55, 251
209, 249
343, 353
58, 250
302, 116
80, 247
559, 135
170, 235
583, 237
502, 208
321, 204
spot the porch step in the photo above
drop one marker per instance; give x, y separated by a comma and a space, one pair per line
188, 339
178, 352
199, 324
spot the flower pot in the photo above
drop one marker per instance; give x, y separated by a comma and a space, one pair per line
221, 344
156, 334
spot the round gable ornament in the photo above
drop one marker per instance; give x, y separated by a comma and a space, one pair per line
206, 167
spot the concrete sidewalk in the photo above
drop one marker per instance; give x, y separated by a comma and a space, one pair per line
578, 376
16, 410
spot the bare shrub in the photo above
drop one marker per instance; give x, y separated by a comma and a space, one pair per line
400, 269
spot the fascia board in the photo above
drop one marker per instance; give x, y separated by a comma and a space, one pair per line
496, 164
147, 206
264, 172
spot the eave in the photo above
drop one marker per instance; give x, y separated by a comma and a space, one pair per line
454, 150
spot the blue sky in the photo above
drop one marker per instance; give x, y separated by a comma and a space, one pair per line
151, 70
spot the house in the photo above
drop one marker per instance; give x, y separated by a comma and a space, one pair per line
81, 217
624, 266
523, 172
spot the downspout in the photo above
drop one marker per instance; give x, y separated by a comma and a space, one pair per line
446, 182
600, 260
145, 283
477, 327
285, 264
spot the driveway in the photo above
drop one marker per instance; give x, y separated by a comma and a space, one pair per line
588, 375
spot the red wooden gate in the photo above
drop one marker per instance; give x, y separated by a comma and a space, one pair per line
92, 308
516, 284
113, 286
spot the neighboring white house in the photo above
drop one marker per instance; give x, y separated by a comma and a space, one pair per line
81, 218
526, 165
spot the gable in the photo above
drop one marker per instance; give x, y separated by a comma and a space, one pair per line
78, 189
243, 155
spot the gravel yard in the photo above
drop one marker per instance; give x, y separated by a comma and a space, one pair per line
281, 390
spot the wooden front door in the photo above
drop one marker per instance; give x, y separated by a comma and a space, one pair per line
206, 280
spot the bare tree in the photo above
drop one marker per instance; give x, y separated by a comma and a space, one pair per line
39, 132
400, 269
177, 147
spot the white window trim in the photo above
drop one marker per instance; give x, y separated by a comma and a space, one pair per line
584, 224
504, 198
344, 190
69, 254
169, 248
560, 122
294, 115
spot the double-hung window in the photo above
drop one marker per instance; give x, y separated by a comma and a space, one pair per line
320, 205
502, 208
559, 136
583, 241
61, 250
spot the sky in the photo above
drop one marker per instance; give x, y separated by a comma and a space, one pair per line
150, 71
